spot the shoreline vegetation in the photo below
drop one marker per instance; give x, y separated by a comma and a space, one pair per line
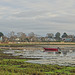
23, 44
37, 43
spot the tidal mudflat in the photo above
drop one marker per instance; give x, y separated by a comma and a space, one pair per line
66, 57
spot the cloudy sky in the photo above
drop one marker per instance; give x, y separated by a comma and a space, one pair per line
38, 16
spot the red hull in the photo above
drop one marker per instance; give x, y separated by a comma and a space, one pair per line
51, 49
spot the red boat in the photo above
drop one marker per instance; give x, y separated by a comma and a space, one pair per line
51, 49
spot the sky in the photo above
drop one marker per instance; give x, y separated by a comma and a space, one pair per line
38, 16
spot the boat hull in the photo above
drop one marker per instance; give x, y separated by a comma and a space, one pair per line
51, 49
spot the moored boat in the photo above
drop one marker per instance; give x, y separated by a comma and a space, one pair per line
51, 49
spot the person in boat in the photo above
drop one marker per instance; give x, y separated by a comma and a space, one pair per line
59, 50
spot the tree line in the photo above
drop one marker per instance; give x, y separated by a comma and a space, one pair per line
32, 37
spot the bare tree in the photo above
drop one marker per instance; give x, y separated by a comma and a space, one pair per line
32, 37
12, 36
12, 33
21, 36
50, 35
31, 34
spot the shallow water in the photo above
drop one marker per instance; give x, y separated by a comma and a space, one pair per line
66, 58
38, 53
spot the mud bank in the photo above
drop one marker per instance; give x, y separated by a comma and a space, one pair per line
40, 47
64, 61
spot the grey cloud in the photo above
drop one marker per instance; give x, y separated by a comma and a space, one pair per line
59, 19
30, 13
39, 16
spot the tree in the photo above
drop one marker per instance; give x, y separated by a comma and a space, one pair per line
64, 35
50, 35
21, 36
12, 36
72, 37
31, 34
32, 37
57, 36
5, 39
43, 39
1, 34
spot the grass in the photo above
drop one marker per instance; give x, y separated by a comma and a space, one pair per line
18, 66
34, 43
15, 45
18, 60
